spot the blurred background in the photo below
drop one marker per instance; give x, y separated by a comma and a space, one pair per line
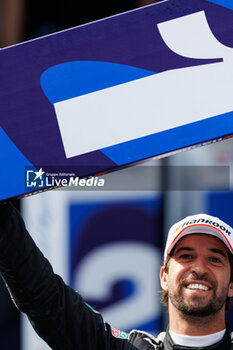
113, 238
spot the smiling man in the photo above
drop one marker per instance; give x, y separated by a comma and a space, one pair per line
197, 282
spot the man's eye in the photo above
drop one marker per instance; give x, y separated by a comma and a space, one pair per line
186, 256
215, 259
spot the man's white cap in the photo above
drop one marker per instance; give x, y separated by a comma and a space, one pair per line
200, 223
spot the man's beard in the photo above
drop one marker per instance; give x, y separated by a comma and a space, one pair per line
196, 306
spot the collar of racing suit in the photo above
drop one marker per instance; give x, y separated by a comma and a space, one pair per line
145, 341
223, 344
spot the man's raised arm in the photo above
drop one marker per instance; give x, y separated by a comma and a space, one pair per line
56, 311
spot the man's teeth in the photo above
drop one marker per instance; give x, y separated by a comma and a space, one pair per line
197, 286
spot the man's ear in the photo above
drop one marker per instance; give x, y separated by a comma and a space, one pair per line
230, 290
163, 279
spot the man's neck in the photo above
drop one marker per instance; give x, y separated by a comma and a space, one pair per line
193, 325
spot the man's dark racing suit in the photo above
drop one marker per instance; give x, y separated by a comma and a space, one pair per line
57, 312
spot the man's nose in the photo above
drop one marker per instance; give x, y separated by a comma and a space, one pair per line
199, 266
